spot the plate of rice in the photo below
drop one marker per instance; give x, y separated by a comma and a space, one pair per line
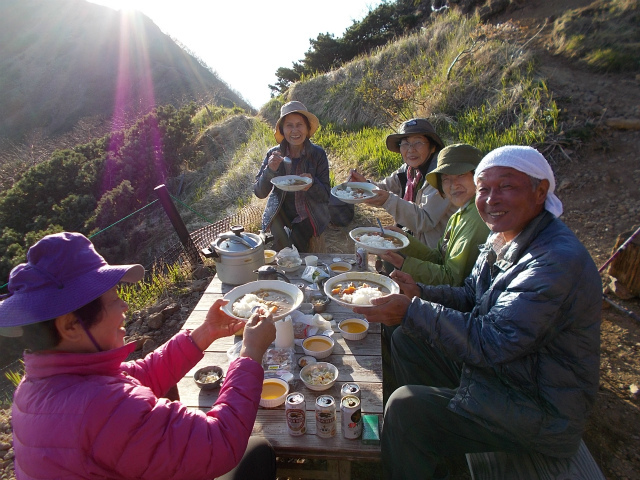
353, 289
290, 183
354, 192
276, 296
372, 240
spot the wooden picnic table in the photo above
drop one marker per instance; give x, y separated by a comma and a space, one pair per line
357, 361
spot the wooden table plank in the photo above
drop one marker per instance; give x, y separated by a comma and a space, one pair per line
357, 361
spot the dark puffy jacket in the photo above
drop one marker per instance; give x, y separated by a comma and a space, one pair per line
529, 341
316, 163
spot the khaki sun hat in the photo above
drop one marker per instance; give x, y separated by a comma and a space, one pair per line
415, 126
455, 160
296, 107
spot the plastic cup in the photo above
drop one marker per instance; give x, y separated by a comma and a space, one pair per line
311, 261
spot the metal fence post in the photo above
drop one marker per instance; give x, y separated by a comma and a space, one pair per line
178, 224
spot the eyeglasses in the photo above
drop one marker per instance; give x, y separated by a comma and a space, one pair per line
407, 145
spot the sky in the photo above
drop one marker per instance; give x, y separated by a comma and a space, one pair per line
246, 41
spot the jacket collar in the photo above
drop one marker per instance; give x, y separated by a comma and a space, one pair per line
519, 244
46, 364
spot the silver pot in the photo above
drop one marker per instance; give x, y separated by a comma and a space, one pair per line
237, 254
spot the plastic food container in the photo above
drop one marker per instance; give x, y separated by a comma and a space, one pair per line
318, 346
274, 391
354, 328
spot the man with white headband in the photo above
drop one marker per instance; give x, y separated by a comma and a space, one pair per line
509, 361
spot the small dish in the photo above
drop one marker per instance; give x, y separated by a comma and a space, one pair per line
288, 265
306, 360
270, 256
319, 376
353, 328
318, 346
340, 267
205, 377
274, 391
320, 303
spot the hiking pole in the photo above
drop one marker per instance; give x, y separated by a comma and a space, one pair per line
624, 310
622, 247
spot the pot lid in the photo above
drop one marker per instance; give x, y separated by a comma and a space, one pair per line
237, 241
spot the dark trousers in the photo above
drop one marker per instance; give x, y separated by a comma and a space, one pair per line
257, 463
300, 233
419, 430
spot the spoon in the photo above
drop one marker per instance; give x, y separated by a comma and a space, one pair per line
380, 225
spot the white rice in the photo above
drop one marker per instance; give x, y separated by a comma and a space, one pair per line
242, 308
362, 296
376, 241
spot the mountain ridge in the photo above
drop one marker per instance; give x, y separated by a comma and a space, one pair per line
59, 63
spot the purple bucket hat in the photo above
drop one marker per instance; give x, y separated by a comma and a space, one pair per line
63, 273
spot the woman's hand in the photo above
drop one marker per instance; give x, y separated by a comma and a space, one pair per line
217, 324
389, 310
275, 159
379, 199
259, 333
407, 284
308, 175
354, 176
393, 258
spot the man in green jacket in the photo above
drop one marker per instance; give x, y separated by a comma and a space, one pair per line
451, 262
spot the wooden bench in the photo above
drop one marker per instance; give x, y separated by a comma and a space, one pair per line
533, 466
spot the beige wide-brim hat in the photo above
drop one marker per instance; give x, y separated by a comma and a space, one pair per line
415, 126
455, 160
296, 107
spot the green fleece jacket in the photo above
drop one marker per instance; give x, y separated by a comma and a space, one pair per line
451, 262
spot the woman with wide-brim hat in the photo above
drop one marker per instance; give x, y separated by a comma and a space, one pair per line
295, 218
405, 194
83, 411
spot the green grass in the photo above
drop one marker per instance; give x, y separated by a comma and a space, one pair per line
160, 284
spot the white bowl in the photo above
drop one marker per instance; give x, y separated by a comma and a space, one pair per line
319, 367
273, 400
359, 231
387, 285
340, 267
290, 266
318, 340
341, 191
278, 286
353, 335
285, 182
270, 256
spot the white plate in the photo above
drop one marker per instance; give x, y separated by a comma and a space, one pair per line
357, 232
373, 279
369, 187
289, 289
284, 182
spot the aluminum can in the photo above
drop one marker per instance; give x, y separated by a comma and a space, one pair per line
362, 259
350, 389
351, 417
294, 408
325, 416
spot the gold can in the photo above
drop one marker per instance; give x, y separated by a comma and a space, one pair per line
296, 414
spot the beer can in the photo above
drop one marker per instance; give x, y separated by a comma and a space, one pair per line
294, 408
362, 259
350, 389
351, 417
325, 416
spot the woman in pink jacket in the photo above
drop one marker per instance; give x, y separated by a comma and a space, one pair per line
82, 412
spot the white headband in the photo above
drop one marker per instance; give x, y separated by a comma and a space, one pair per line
526, 160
